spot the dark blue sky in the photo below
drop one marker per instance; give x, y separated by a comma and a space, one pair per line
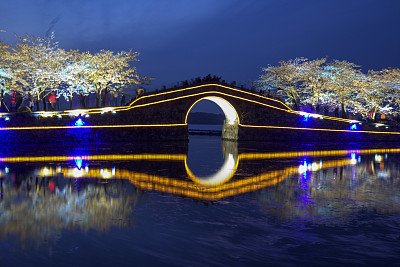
183, 39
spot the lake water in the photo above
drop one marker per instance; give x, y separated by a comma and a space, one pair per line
209, 203
213, 127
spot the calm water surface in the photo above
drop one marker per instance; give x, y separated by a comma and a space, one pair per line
209, 203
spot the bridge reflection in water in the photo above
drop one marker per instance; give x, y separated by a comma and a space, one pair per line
170, 173
91, 191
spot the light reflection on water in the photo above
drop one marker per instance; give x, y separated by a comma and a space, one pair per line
278, 207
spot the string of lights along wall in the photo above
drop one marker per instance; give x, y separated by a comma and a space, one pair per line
163, 116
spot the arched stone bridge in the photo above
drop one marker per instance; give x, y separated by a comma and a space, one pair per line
163, 116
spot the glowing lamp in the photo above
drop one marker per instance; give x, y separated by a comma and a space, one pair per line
353, 127
78, 163
46, 171
306, 117
106, 174
378, 158
314, 167
79, 122
77, 173
302, 169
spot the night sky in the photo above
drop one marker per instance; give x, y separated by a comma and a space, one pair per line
180, 40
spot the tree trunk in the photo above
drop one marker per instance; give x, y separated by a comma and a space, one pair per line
82, 100
37, 105
296, 105
97, 100
293, 96
373, 115
344, 113
70, 102
2, 99
103, 98
326, 110
44, 104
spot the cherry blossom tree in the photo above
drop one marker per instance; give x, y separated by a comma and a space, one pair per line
340, 76
107, 71
73, 77
5, 73
375, 93
38, 64
314, 82
286, 79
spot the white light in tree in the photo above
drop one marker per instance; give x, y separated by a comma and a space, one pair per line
46, 171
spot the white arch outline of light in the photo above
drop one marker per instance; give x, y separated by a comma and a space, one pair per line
224, 174
231, 115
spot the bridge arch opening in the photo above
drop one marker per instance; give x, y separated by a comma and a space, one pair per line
231, 116
231, 123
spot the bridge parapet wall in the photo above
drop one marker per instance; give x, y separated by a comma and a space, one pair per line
163, 117
205, 90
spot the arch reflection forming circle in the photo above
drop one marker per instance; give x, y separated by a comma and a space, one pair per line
224, 174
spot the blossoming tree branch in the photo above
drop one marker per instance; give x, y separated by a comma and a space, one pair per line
38, 67
316, 84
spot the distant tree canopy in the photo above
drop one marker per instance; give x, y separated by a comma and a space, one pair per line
38, 66
318, 83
